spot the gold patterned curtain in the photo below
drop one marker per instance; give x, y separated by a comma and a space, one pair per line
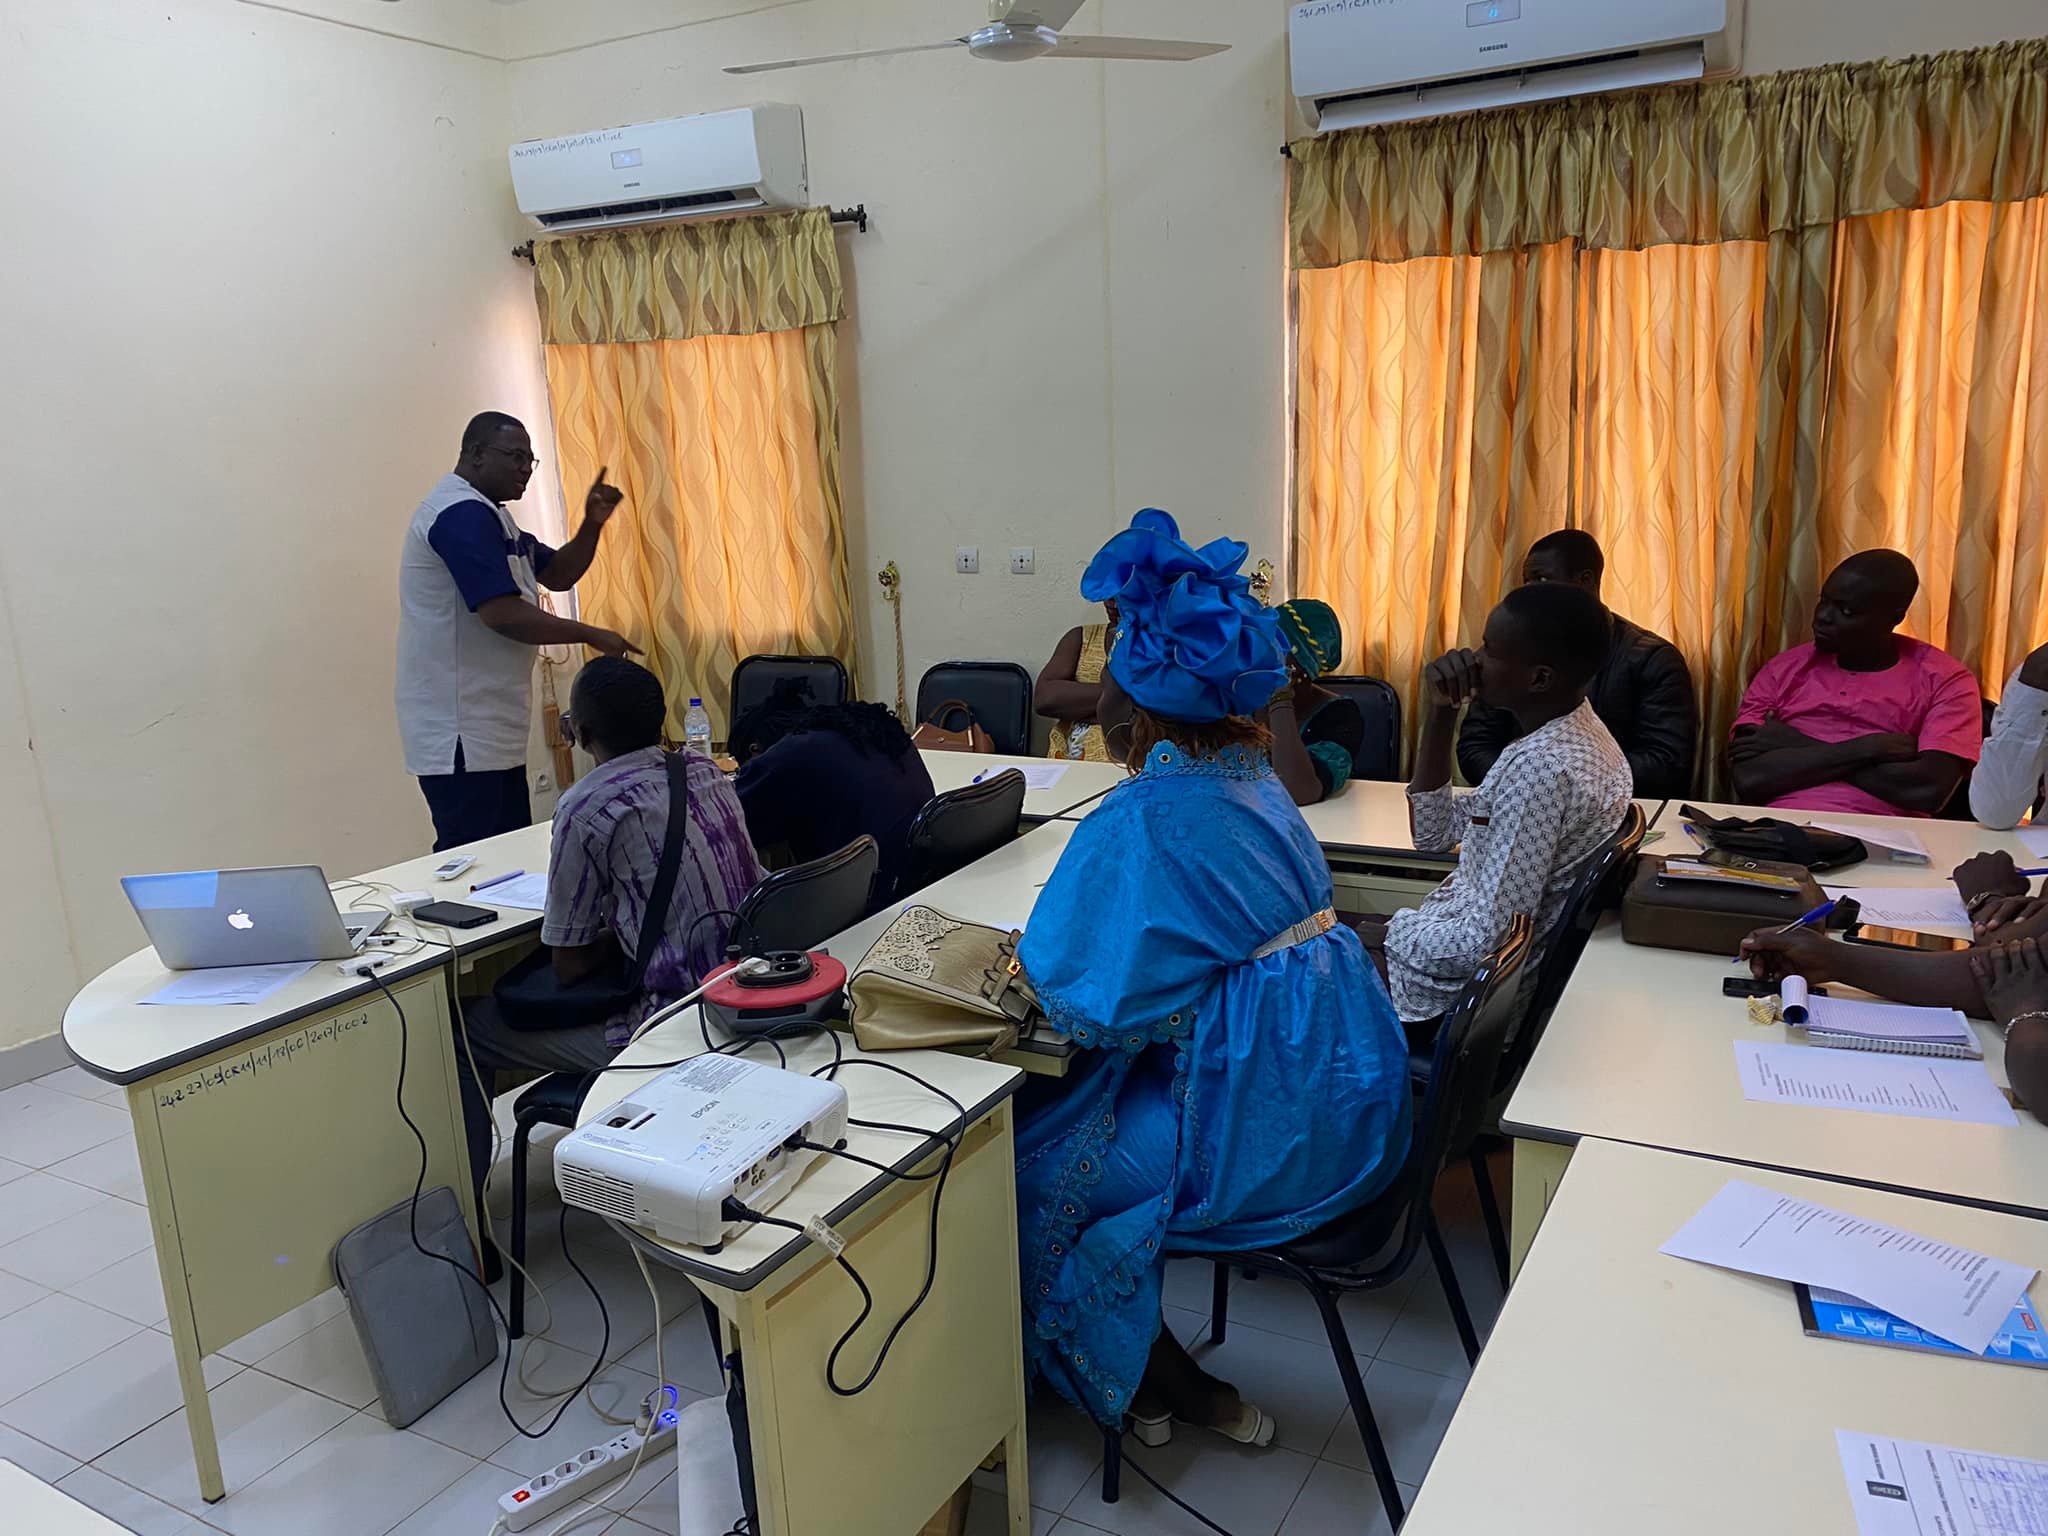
698, 362
1737, 331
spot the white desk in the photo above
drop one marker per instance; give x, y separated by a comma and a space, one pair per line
1948, 843
1078, 789
1624, 1392
1368, 821
952, 1389
34, 1508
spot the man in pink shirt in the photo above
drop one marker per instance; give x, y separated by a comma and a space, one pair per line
1863, 719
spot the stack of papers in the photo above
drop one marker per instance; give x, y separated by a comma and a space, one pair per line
223, 985
1894, 843
1860, 1026
529, 893
1918, 907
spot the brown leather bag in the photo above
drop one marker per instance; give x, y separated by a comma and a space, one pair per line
1713, 916
935, 736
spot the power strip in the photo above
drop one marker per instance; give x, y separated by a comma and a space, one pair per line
578, 1481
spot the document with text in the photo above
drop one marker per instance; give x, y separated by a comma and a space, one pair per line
1911, 1488
1925, 1088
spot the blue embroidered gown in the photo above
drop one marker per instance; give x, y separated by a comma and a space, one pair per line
1220, 1102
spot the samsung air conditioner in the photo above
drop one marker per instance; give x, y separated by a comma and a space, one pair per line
1360, 62
680, 167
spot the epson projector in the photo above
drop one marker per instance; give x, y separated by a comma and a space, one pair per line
668, 1156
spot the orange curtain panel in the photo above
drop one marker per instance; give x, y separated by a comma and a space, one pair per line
698, 364
1736, 331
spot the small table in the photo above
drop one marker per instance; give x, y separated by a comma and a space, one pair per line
1080, 785
952, 1389
1624, 1392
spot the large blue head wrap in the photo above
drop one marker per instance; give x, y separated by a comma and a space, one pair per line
1193, 644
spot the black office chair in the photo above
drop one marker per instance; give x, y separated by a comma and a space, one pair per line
1597, 890
1380, 758
1957, 807
802, 907
1376, 1245
958, 828
998, 692
754, 680
792, 909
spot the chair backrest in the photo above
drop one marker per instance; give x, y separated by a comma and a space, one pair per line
1957, 807
801, 908
998, 693
1469, 1045
754, 680
956, 829
1380, 758
1599, 888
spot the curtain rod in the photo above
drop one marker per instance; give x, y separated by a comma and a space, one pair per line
857, 216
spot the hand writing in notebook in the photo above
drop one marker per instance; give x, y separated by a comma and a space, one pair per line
1773, 954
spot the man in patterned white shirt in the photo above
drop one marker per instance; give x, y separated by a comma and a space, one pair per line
1547, 804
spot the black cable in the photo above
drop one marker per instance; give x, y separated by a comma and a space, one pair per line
1185, 1506
854, 1157
420, 1184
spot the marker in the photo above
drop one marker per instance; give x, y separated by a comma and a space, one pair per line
1818, 914
485, 885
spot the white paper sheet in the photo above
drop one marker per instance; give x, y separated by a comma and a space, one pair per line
1911, 1488
529, 893
1897, 839
1917, 907
1957, 1293
1036, 775
223, 984
1923, 1087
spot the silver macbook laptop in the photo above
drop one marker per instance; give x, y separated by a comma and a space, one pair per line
216, 917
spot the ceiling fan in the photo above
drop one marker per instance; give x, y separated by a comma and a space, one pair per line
1018, 31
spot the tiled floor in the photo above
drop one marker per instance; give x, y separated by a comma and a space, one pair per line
89, 1396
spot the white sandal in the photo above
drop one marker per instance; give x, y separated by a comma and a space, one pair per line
1153, 1432
1252, 1428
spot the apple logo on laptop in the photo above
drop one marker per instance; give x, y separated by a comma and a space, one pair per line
240, 919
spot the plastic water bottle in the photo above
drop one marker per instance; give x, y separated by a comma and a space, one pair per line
697, 729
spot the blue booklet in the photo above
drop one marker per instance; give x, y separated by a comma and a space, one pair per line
1831, 1315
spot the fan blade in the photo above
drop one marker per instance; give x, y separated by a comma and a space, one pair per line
841, 58
1134, 48
1043, 13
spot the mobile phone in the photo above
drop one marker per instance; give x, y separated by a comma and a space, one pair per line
449, 868
1750, 986
1905, 938
454, 914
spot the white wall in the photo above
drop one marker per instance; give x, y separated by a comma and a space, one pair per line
255, 280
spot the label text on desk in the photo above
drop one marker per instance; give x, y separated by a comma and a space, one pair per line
279, 1053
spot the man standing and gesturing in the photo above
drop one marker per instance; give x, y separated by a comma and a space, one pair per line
468, 624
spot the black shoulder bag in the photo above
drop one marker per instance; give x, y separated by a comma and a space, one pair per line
531, 997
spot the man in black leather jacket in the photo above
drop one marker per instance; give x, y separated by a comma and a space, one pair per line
1643, 693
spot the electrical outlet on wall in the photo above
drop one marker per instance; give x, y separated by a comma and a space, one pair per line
1023, 562
967, 560
544, 783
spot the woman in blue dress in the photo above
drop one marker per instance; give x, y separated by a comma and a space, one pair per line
1243, 1079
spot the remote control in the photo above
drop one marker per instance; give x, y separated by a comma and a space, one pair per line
448, 869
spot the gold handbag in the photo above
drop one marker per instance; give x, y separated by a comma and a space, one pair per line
933, 980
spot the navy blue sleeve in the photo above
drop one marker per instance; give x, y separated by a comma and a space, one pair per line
536, 552
471, 543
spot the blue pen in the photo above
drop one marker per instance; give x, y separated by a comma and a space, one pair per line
485, 885
2029, 874
1818, 914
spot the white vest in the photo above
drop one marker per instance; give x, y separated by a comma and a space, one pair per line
458, 679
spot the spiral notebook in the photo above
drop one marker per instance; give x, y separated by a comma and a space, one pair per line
1849, 1024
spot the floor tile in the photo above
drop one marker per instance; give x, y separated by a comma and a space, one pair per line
65, 1252
1412, 1408
472, 1420
1293, 1381
36, 1200
1337, 1501
1247, 1492
80, 1084
259, 1422
10, 1170
34, 1457
112, 1168
16, 1293
989, 1515
281, 1330
1425, 1338
1278, 1305
578, 1323
43, 1126
130, 1508
328, 1360
701, 1497
49, 1337
617, 1390
686, 1352
359, 1479
133, 1289
1065, 1449
1076, 1528
1187, 1284
467, 1506
119, 1392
